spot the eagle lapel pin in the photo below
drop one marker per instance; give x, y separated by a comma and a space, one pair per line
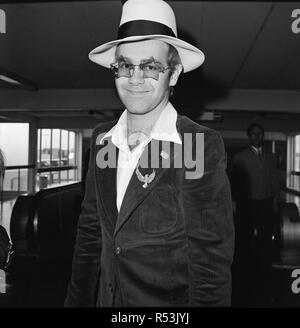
146, 179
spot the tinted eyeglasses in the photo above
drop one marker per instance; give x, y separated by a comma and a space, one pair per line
149, 69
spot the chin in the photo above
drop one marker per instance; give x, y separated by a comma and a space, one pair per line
137, 110
137, 107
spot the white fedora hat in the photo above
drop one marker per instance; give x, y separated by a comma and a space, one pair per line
144, 20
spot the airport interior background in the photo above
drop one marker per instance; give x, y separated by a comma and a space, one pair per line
52, 96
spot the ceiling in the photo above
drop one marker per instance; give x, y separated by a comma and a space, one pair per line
248, 45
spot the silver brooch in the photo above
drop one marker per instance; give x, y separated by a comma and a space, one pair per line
146, 179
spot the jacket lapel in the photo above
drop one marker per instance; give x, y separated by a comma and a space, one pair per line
107, 184
135, 192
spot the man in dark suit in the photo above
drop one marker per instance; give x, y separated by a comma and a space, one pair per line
156, 226
255, 191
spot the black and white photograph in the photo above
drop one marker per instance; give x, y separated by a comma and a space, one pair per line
149, 157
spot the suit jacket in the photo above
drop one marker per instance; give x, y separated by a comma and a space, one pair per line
254, 177
171, 244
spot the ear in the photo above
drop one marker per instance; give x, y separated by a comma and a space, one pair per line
175, 75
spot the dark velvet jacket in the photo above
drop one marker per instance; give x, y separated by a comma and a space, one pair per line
171, 244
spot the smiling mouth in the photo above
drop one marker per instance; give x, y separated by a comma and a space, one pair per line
134, 92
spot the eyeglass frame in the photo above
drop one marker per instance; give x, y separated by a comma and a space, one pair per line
114, 68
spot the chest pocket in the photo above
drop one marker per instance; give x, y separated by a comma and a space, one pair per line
159, 211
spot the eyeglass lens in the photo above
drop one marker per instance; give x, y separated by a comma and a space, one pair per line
149, 70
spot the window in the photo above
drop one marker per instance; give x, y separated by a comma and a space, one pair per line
58, 157
293, 177
14, 145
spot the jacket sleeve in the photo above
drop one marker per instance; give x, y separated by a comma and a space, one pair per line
86, 259
210, 229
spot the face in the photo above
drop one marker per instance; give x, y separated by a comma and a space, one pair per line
144, 95
256, 137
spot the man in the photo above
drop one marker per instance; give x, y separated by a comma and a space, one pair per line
152, 235
255, 191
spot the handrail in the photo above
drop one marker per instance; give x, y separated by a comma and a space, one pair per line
39, 170
17, 167
295, 173
292, 191
56, 168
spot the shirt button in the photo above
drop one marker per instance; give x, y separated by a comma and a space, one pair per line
118, 250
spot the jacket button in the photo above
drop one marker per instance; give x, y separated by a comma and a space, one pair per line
118, 250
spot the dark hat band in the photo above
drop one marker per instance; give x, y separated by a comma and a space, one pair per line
143, 27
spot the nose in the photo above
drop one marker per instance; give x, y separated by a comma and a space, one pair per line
136, 76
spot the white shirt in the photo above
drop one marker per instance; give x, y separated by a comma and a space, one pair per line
164, 129
258, 151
